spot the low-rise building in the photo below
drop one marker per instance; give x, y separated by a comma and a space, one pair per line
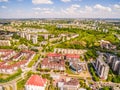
69, 51
54, 56
72, 84
9, 67
5, 43
23, 47
54, 65
72, 57
35, 82
107, 45
6, 54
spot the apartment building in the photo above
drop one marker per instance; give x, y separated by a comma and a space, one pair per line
101, 67
5, 43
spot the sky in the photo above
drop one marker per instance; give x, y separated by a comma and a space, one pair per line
59, 8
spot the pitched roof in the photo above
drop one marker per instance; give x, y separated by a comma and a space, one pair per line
73, 82
36, 80
54, 55
72, 56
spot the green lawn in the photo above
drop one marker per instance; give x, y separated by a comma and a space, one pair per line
21, 83
33, 60
68, 70
4, 76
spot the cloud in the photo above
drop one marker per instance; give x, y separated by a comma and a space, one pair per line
75, 6
3, 0
4, 7
116, 6
102, 8
43, 9
42, 2
88, 8
65, 0
71, 11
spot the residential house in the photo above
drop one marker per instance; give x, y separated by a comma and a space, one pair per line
35, 82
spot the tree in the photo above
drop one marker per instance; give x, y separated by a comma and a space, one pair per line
106, 88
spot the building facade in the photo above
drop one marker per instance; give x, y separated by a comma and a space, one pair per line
101, 67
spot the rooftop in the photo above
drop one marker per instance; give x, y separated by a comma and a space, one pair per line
54, 55
36, 80
72, 56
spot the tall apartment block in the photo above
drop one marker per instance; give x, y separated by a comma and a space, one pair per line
114, 62
101, 67
34, 39
22, 34
28, 36
116, 65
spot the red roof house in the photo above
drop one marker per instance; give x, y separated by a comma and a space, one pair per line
35, 82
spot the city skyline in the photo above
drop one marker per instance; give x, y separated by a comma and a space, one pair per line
59, 9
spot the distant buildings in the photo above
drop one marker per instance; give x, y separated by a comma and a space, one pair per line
101, 67
5, 43
113, 61
55, 39
46, 36
43, 43
69, 51
29, 36
35, 82
23, 47
73, 36
22, 34
31, 30
6, 37
34, 39
107, 45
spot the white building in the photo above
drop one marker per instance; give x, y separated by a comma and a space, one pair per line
116, 65
28, 36
72, 84
35, 82
22, 34
5, 43
34, 39
101, 67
